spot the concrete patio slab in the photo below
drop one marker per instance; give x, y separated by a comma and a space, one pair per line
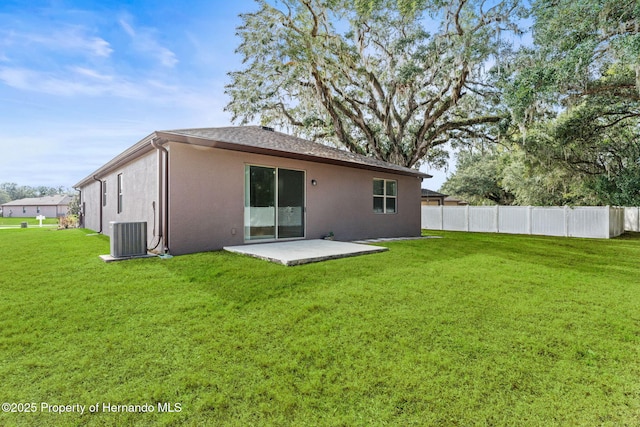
304, 251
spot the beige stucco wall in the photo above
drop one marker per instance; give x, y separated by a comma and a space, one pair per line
140, 193
33, 211
90, 205
206, 198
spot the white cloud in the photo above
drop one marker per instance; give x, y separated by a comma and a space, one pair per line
100, 47
144, 41
76, 90
80, 82
14, 77
92, 74
71, 39
127, 28
167, 58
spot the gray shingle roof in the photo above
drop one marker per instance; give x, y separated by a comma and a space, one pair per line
259, 139
60, 199
431, 193
254, 139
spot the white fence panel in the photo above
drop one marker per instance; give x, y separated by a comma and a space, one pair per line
632, 219
515, 219
588, 222
483, 219
548, 221
455, 218
616, 222
595, 222
432, 217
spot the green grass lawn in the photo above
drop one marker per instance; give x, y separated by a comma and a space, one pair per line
32, 222
467, 330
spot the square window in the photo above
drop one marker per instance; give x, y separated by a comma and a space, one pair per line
378, 187
385, 192
390, 206
120, 194
391, 188
378, 204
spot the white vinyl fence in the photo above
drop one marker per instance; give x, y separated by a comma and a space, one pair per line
597, 222
632, 219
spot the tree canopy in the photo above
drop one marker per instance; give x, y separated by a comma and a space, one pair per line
589, 51
478, 179
393, 80
581, 48
575, 95
11, 191
406, 80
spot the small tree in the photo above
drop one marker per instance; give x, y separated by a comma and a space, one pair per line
74, 205
4, 197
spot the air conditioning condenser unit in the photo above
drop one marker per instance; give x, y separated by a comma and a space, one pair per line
128, 239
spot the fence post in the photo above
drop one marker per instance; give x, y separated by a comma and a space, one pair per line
497, 218
566, 221
530, 219
467, 219
441, 217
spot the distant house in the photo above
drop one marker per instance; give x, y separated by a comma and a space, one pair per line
49, 206
203, 189
453, 201
432, 198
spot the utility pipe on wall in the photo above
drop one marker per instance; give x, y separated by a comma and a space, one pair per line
163, 192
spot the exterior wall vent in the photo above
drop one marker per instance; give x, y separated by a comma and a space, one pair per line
128, 239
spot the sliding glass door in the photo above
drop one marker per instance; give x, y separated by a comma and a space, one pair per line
274, 203
290, 216
259, 203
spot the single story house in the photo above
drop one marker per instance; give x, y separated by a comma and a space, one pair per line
203, 189
432, 198
49, 206
453, 201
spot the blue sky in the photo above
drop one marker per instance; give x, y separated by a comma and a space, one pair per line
81, 81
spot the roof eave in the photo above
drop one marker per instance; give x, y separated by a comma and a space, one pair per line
194, 140
144, 146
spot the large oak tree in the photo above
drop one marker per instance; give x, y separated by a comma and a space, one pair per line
393, 80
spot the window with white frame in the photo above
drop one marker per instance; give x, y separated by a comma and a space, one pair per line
119, 193
385, 195
104, 193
